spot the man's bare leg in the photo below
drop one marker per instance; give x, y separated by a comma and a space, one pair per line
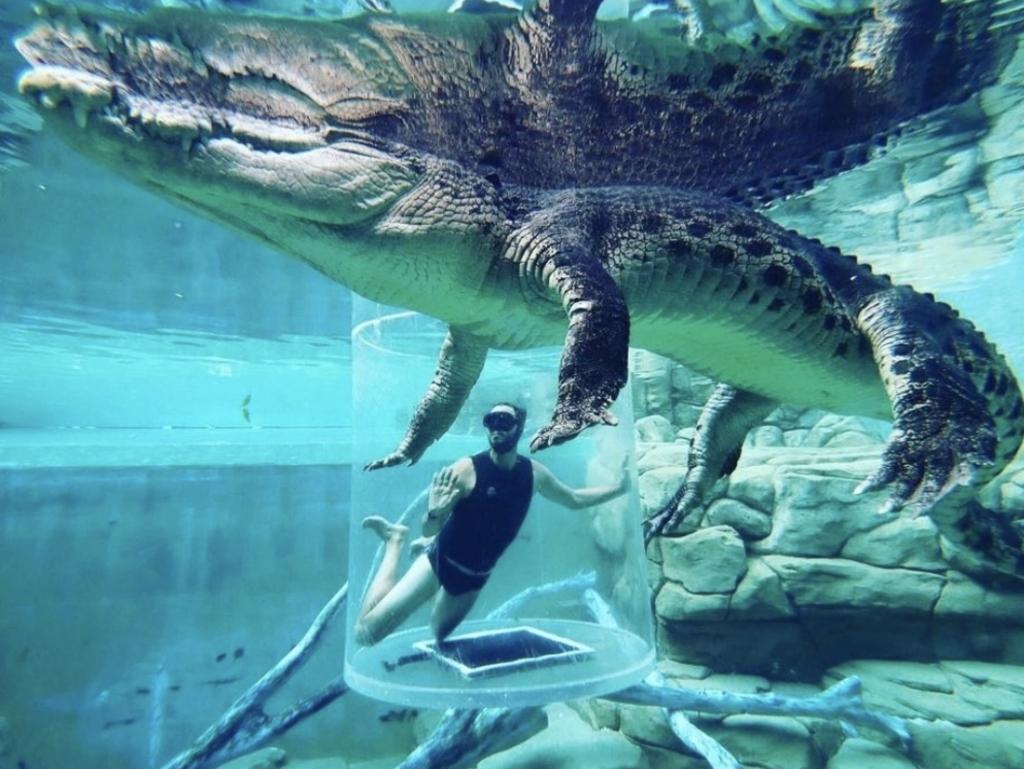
384, 580
449, 611
412, 591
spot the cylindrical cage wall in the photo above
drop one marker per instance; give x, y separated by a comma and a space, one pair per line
566, 612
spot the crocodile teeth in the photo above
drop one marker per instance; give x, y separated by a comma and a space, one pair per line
54, 85
81, 111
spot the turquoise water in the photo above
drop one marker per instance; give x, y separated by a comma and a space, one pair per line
176, 441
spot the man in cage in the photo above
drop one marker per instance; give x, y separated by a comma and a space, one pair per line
475, 508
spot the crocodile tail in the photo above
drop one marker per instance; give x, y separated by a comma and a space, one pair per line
985, 544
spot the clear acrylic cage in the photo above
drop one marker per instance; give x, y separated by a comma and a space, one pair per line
576, 576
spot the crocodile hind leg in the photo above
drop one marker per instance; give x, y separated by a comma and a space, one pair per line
724, 422
943, 433
958, 422
459, 365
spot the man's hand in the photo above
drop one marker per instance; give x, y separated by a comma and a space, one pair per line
444, 491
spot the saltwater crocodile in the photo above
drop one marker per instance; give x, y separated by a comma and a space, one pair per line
506, 173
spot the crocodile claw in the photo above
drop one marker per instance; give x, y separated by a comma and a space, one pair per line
391, 460
673, 512
922, 466
655, 524
562, 428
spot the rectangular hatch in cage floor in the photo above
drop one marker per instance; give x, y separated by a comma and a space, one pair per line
506, 650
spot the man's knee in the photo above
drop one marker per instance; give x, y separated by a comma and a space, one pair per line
449, 612
367, 632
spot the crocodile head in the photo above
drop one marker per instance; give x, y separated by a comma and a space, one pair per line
280, 128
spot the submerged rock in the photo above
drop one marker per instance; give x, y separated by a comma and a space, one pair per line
711, 560
748, 522
858, 753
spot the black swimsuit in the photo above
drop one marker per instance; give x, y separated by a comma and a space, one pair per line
482, 525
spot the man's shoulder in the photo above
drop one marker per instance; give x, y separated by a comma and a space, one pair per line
462, 464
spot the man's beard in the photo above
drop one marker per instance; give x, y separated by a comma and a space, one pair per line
506, 443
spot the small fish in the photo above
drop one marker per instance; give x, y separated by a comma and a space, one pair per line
245, 407
221, 681
141, 690
401, 714
222, 656
119, 722
239, 653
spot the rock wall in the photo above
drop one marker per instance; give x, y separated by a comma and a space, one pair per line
786, 581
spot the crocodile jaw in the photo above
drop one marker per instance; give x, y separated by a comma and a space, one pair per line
202, 125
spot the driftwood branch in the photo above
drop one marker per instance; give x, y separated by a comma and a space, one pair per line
465, 737
842, 701
245, 727
511, 607
700, 742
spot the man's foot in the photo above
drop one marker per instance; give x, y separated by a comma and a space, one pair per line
384, 529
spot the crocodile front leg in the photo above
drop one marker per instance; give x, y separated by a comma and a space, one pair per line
724, 422
459, 365
943, 434
594, 362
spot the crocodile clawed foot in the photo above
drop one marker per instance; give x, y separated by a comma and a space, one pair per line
672, 513
391, 460
922, 467
563, 428
664, 519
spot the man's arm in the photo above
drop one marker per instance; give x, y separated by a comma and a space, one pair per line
450, 484
547, 485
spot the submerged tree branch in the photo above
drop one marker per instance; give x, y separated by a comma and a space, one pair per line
245, 727
513, 605
842, 701
465, 737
